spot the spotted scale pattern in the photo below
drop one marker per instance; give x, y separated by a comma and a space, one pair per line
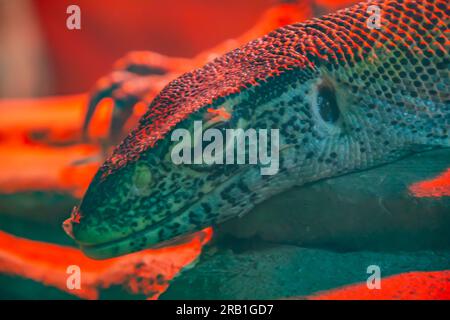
387, 94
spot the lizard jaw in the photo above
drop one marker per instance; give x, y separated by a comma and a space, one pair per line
121, 246
148, 237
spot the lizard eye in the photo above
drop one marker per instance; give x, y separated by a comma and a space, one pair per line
327, 105
142, 177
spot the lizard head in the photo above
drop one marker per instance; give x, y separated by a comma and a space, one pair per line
337, 98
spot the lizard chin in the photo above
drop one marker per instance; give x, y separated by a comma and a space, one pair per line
147, 238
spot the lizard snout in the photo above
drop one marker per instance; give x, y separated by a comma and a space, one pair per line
75, 217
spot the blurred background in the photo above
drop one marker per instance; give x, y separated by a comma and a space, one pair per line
39, 56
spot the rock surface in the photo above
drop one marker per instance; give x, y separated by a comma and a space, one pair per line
289, 271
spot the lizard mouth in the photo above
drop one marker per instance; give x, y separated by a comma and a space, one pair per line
147, 237
120, 246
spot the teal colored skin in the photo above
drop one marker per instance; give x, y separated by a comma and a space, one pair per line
388, 208
341, 106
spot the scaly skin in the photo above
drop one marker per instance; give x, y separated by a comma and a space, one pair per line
344, 97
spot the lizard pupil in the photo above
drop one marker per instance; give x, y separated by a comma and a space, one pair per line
327, 104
